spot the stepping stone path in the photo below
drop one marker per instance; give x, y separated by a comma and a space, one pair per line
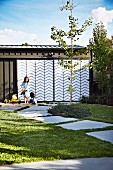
9, 108
41, 113
35, 111
106, 135
85, 124
13, 107
54, 119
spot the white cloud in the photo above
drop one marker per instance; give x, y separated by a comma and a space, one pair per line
101, 14
12, 37
9, 36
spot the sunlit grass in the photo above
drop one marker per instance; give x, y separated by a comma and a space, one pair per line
100, 112
25, 140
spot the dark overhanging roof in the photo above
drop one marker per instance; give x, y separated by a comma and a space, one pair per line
38, 46
35, 51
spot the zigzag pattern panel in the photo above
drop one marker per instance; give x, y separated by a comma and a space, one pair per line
31, 65
59, 83
48, 80
76, 86
84, 79
76, 82
40, 80
21, 73
40, 73
62, 83
66, 82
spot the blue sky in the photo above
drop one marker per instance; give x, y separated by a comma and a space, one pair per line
31, 20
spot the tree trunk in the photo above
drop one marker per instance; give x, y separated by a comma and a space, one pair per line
71, 88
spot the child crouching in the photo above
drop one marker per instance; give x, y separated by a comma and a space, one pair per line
32, 98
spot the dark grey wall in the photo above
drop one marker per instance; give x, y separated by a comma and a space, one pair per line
8, 78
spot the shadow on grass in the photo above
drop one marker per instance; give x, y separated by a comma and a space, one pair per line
6, 162
23, 122
25, 140
53, 143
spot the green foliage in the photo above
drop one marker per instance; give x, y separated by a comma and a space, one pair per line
101, 48
59, 35
69, 111
25, 44
98, 99
94, 99
73, 34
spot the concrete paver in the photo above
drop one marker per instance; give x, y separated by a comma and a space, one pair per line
34, 114
40, 113
36, 108
106, 135
54, 119
9, 108
35, 111
13, 107
71, 164
85, 124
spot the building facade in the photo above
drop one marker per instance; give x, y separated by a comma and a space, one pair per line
48, 79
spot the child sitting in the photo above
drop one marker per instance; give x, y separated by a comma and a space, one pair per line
32, 99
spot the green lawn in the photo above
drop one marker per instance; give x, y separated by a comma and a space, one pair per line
24, 140
100, 112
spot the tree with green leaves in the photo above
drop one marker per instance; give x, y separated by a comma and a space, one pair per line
61, 37
110, 80
101, 47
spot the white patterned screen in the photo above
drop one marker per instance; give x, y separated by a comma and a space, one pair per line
21, 71
39, 79
51, 84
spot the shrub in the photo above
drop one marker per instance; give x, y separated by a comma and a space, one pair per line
72, 110
110, 101
95, 99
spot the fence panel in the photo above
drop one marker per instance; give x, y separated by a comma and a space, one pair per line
49, 81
